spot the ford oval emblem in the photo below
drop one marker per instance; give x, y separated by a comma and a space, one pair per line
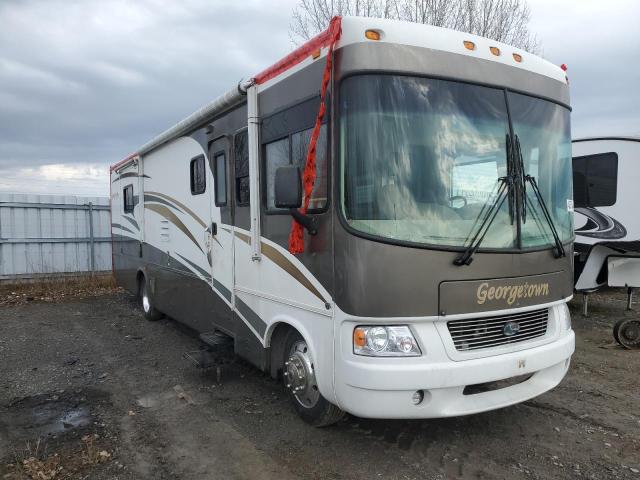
510, 329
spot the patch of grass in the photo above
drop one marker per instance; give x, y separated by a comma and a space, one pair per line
33, 462
57, 289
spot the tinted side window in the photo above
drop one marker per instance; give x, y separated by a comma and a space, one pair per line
276, 155
595, 180
241, 150
220, 167
127, 198
292, 150
198, 175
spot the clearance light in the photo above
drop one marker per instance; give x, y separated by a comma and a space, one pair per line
385, 341
372, 34
563, 67
495, 51
517, 57
469, 45
315, 54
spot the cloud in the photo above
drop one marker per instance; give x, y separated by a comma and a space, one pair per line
85, 82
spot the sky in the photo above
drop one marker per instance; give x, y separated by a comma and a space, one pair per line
85, 82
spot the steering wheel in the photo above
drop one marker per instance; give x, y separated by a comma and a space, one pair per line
458, 197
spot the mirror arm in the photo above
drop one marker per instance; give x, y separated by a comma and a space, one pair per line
307, 221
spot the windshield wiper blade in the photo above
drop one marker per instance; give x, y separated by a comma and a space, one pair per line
521, 176
558, 251
490, 214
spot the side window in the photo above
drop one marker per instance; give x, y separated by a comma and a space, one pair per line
276, 155
127, 198
220, 180
595, 180
241, 150
292, 150
197, 175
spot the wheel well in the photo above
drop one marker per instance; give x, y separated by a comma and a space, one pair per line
139, 280
276, 348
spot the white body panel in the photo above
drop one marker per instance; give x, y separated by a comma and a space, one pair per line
624, 272
383, 387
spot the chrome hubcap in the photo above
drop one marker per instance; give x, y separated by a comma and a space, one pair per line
146, 305
299, 375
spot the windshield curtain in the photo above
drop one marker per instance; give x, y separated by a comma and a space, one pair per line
421, 157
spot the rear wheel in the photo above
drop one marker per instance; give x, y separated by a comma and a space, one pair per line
627, 333
149, 310
302, 388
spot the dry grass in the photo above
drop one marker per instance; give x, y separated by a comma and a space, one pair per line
54, 290
34, 463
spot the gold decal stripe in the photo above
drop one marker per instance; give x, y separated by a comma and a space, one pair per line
181, 205
169, 215
283, 262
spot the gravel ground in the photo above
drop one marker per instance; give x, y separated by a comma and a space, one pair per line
88, 389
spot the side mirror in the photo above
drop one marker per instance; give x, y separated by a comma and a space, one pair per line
288, 187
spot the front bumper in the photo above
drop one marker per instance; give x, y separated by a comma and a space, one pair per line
383, 388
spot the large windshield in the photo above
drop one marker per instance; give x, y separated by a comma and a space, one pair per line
421, 157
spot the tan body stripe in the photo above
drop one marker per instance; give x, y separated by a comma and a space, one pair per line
283, 262
169, 215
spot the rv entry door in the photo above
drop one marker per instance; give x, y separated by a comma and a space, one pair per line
220, 242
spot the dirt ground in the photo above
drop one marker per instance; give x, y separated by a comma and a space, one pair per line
90, 390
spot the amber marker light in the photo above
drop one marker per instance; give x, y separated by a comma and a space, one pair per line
469, 45
372, 34
359, 339
315, 54
517, 57
495, 51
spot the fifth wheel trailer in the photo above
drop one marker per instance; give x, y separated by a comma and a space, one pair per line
383, 219
606, 175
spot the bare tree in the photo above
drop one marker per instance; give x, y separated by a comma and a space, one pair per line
312, 16
501, 20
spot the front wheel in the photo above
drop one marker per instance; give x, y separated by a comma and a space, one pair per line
300, 382
150, 312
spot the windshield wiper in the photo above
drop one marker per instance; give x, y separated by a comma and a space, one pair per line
558, 250
488, 214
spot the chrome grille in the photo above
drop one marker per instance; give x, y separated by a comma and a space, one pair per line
488, 332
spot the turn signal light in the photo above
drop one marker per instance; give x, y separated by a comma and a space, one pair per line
495, 51
517, 57
372, 34
469, 45
359, 338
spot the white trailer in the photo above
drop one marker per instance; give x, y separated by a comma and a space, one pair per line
423, 267
606, 175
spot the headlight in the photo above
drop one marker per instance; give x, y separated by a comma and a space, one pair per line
385, 341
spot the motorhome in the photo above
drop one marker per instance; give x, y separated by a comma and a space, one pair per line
606, 176
382, 219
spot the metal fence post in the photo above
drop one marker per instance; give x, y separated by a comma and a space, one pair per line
91, 239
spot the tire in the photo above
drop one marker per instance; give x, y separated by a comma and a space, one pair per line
146, 302
308, 402
616, 329
627, 333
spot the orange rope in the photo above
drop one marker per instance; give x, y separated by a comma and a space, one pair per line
296, 237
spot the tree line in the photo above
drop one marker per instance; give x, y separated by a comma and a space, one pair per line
505, 21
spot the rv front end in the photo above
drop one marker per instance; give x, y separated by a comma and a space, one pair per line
451, 378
